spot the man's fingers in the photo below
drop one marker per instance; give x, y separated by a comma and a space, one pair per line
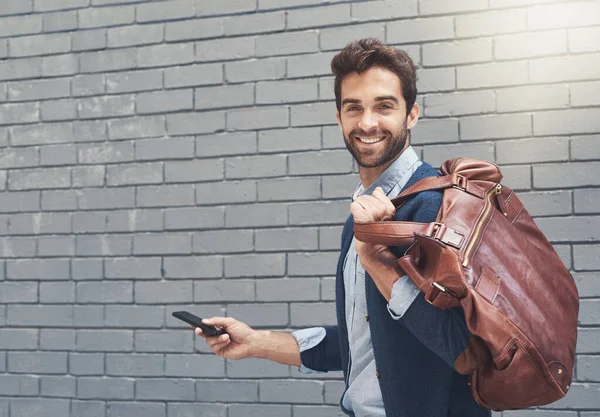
216, 340
219, 321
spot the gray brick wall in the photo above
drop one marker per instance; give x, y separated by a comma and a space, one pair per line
158, 155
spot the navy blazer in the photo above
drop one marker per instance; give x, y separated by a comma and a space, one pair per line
414, 355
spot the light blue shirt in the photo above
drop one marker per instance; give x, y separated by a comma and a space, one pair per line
362, 396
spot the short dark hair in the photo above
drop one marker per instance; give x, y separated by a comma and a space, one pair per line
363, 54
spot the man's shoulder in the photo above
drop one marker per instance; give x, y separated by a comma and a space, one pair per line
423, 206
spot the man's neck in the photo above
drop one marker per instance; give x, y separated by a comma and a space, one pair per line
369, 175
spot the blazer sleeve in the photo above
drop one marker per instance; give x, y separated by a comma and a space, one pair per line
443, 331
325, 356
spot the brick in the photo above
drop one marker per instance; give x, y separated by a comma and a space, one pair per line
19, 158
585, 256
315, 411
564, 68
89, 316
134, 365
224, 96
94, 199
109, 60
585, 94
10, 7
105, 153
54, 200
37, 362
59, 110
230, 143
193, 75
57, 65
103, 245
187, 409
532, 98
256, 166
428, 7
104, 292
570, 14
106, 16
329, 237
589, 313
58, 386
59, 21
86, 269
95, 39
106, 106
136, 409
40, 316
138, 127
58, 155
437, 154
164, 101
86, 364
57, 292
256, 368
89, 222
225, 49
337, 38
564, 229
256, 410
165, 11
281, 140
163, 292
42, 407
164, 341
88, 408
222, 391
134, 316
588, 368
280, 92
105, 388
162, 195
191, 171
547, 203
194, 29
289, 189
385, 9
166, 243
19, 385
585, 200
565, 122
38, 89
420, 30
195, 123
326, 88
57, 339
88, 176
258, 118
287, 289
20, 25
135, 220
457, 52
43, 269
104, 341
40, 45
194, 366
322, 212
137, 173
312, 114
309, 65
214, 7
56, 246
261, 315
463, 103
138, 268
495, 126
48, 5
256, 23
131, 81
491, 23
318, 16
89, 131
530, 45
256, 215
162, 149
18, 292
42, 134
584, 39
19, 113
18, 247
193, 267
226, 290
18, 339
337, 162
278, 391
328, 289
498, 74
20, 68
226, 192
287, 43
581, 396
223, 241
134, 35
532, 150
312, 264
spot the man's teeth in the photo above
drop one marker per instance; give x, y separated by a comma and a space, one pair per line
370, 140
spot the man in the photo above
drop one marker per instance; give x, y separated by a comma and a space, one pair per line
397, 351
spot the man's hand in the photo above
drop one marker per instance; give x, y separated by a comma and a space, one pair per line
237, 343
378, 260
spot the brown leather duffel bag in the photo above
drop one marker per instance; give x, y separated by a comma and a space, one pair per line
485, 254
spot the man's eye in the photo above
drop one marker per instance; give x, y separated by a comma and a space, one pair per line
385, 106
353, 108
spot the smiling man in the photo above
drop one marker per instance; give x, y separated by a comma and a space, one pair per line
397, 352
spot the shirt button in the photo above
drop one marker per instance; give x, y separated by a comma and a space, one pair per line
377, 374
366, 317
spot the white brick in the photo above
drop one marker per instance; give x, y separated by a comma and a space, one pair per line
564, 68
436, 79
105, 16
435, 131
420, 30
566, 122
457, 52
225, 49
337, 38
568, 14
437, 154
384, 9
258, 118
455, 104
255, 23
584, 39
213, 7
531, 44
444, 6
165, 10
492, 75
194, 29
287, 43
495, 126
318, 16
532, 97
532, 150
585, 94
254, 70
280, 92
491, 23
224, 96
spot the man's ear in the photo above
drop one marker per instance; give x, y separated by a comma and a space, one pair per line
413, 116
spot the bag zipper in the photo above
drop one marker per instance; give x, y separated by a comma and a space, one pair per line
485, 216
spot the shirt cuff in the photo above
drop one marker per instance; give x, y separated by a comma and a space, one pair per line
404, 292
308, 339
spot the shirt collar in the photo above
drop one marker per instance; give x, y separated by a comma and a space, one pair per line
388, 179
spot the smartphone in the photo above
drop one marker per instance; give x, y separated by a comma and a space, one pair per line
197, 321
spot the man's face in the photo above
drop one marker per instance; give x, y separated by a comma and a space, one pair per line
373, 117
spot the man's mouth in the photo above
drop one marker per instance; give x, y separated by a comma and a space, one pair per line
370, 139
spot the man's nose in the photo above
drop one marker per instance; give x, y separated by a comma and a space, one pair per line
368, 121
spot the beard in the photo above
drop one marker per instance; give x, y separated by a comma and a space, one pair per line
371, 159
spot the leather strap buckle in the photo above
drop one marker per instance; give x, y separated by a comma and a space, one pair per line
446, 235
440, 290
460, 182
